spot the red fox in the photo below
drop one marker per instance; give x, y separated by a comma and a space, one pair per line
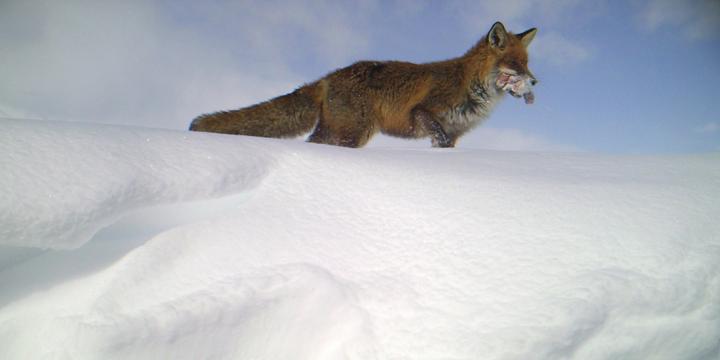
441, 100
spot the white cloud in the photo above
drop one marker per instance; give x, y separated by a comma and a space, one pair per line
518, 15
696, 19
558, 50
478, 16
708, 128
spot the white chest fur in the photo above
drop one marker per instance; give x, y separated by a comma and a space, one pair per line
477, 107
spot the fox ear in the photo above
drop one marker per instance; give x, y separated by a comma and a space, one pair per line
527, 36
497, 36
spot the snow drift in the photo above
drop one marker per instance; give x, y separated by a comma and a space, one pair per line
136, 243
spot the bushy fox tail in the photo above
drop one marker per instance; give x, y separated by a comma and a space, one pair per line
288, 115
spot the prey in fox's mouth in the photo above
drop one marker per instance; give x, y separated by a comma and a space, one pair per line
519, 86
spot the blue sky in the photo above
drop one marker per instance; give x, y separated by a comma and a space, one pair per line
636, 76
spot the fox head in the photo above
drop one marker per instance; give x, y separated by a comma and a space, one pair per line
511, 60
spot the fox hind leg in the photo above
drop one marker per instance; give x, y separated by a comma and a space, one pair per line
346, 137
349, 136
343, 127
355, 137
321, 134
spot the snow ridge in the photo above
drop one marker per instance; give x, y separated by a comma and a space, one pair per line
239, 248
70, 180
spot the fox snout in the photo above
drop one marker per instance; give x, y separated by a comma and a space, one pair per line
525, 73
517, 84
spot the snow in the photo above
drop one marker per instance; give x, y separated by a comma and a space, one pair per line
122, 242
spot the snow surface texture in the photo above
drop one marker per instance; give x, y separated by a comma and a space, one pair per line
123, 243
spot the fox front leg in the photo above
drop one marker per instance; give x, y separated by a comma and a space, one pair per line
428, 122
